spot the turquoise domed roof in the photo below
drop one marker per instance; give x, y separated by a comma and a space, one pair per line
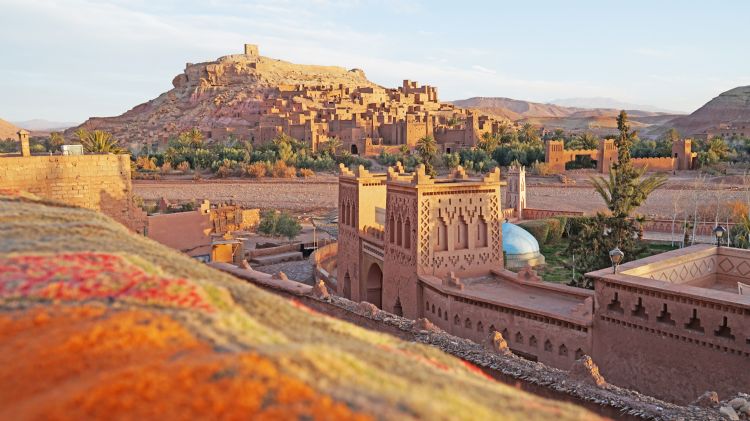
517, 240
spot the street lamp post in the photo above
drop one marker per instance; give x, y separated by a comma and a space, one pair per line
719, 232
615, 256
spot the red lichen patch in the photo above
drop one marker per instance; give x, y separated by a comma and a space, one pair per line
91, 362
81, 276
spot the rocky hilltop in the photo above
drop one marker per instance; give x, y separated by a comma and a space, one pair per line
729, 109
232, 91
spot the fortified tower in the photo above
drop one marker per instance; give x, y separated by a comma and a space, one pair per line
362, 197
554, 155
607, 155
438, 227
682, 151
251, 50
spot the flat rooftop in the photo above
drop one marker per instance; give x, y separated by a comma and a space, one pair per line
543, 298
701, 270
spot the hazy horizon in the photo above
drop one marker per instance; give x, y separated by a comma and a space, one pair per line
69, 60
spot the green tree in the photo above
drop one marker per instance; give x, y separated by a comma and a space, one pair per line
451, 160
268, 221
273, 223
288, 226
672, 135
427, 149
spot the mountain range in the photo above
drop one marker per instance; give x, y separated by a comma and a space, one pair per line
608, 103
42, 125
600, 121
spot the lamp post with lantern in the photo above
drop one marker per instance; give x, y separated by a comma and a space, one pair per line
719, 232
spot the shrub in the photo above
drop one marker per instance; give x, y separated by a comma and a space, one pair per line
145, 163
538, 228
183, 166
563, 220
305, 172
555, 230
273, 223
541, 168
166, 167
223, 171
256, 169
282, 170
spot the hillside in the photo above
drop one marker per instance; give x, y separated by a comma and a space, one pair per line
231, 91
98, 323
8, 130
730, 107
514, 109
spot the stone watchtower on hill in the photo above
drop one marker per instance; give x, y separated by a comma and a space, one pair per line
252, 50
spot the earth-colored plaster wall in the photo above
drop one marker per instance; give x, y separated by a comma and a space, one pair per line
638, 346
98, 182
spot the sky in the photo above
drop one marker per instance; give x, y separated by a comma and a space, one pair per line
67, 60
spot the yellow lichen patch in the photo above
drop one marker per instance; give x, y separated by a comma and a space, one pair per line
93, 362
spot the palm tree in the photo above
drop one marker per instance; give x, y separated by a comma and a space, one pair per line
82, 134
100, 141
427, 149
192, 138
330, 146
621, 199
488, 142
56, 140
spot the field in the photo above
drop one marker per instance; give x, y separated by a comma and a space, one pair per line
319, 194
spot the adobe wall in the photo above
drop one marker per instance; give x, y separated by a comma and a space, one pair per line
531, 213
324, 264
638, 346
98, 182
188, 232
655, 164
550, 382
536, 337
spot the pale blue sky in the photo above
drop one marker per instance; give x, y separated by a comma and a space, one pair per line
67, 60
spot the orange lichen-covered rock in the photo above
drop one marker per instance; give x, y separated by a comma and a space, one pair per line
93, 362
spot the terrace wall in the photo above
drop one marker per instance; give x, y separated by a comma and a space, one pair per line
98, 182
670, 344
